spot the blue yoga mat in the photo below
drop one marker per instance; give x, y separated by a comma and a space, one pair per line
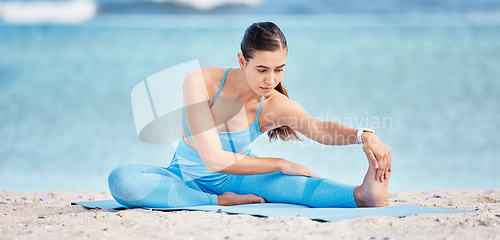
292, 210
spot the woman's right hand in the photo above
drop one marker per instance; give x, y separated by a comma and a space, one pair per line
292, 168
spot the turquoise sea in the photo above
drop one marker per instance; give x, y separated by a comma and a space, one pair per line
429, 83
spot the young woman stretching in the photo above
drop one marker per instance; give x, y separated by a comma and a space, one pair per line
213, 165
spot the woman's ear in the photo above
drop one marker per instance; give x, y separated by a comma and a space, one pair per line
242, 61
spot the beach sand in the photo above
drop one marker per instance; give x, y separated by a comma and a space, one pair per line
49, 215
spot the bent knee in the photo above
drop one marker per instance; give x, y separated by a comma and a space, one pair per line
125, 184
122, 173
132, 184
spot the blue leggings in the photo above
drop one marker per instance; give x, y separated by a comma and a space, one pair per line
135, 185
187, 182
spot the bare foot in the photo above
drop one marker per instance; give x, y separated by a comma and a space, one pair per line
231, 198
372, 192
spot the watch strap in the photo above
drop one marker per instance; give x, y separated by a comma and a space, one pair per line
360, 131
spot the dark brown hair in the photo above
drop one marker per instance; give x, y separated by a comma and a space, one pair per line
266, 36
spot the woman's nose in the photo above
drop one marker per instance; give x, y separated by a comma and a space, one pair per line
269, 79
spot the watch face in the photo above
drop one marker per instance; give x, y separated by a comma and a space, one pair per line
368, 130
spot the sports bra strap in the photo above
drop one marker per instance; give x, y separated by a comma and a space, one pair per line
220, 88
260, 107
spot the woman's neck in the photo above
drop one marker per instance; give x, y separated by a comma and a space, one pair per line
239, 85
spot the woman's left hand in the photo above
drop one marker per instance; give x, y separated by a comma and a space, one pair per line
378, 154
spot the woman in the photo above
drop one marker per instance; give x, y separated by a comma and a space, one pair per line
214, 166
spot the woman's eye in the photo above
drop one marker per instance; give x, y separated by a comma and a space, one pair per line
263, 70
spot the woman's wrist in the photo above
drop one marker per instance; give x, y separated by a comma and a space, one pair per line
282, 164
362, 131
365, 136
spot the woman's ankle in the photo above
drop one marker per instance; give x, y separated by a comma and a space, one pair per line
359, 197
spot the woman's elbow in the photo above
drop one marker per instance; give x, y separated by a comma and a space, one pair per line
211, 168
210, 161
217, 162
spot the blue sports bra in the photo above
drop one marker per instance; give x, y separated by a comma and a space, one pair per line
232, 141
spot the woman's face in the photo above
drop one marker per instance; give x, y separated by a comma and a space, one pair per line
265, 70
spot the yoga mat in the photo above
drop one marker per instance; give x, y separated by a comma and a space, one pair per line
292, 210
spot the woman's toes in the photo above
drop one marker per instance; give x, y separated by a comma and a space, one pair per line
254, 198
260, 200
231, 198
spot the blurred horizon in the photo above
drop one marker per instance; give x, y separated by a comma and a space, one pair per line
252, 7
213, 13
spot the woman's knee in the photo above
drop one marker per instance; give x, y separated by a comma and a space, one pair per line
120, 174
123, 182
131, 184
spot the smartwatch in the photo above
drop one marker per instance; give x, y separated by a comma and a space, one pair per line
361, 130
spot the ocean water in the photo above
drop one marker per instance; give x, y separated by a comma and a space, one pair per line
428, 83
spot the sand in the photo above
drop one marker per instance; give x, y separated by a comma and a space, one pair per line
49, 215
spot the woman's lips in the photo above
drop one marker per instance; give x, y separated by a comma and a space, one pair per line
267, 89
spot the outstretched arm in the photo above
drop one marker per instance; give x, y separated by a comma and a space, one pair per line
290, 113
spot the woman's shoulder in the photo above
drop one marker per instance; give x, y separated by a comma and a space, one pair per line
213, 72
276, 98
277, 107
212, 76
278, 104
